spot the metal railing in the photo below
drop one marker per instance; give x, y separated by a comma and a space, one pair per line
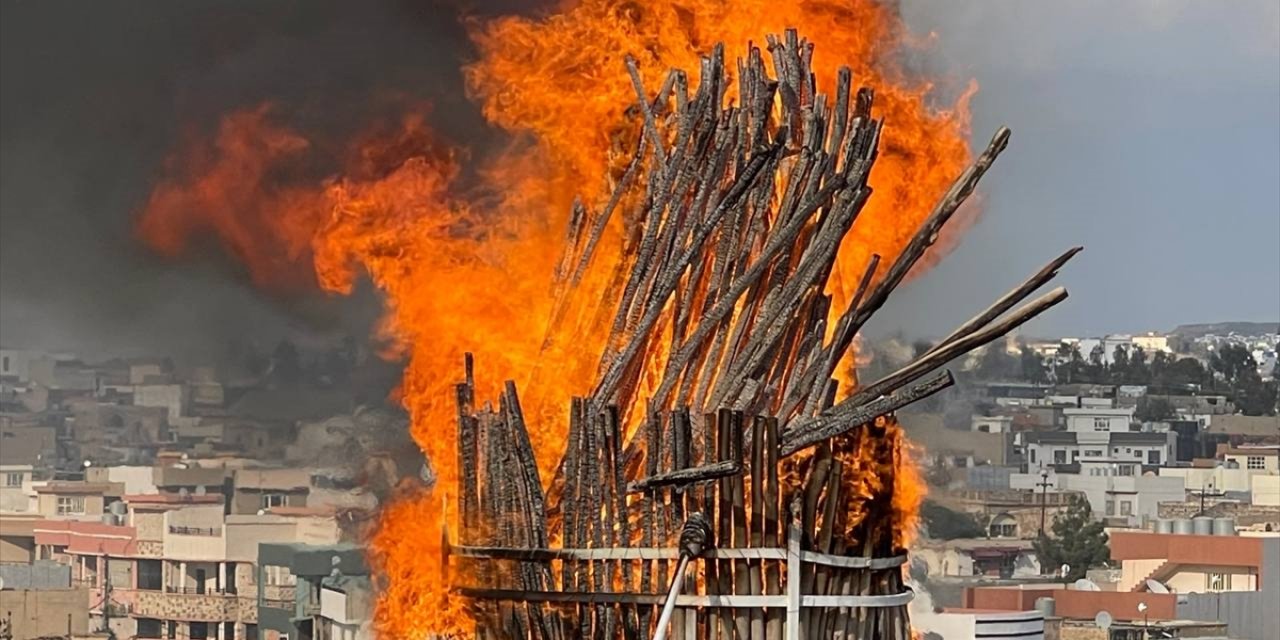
196, 531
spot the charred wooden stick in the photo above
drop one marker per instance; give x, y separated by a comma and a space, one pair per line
1008, 300
946, 352
960, 191
805, 432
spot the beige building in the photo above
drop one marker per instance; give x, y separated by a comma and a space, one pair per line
64, 500
16, 492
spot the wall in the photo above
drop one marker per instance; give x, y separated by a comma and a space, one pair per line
17, 548
1220, 478
46, 612
1195, 579
42, 574
1270, 463
1250, 616
1083, 420
47, 505
202, 545
137, 480
169, 396
1265, 490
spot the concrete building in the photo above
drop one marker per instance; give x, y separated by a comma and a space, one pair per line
16, 492
966, 557
177, 566
257, 489
74, 500
1187, 563
1125, 500
1087, 419
1066, 448
331, 596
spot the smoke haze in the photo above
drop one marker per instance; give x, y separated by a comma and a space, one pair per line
1146, 131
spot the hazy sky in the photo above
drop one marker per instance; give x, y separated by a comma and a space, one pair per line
1147, 131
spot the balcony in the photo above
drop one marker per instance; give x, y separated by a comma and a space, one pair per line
188, 604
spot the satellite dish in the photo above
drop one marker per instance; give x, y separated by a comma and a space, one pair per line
1085, 584
200, 490
1155, 586
183, 493
1103, 620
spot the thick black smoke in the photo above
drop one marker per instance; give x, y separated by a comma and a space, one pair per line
96, 94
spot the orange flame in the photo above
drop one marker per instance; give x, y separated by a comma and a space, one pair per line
468, 270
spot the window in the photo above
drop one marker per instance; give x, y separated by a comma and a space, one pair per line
251, 632
148, 628
1125, 470
1033, 456
149, 572
1060, 456
1218, 582
70, 505
273, 500
13, 479
5, 365
1111, 507
1255, 462
1093, 453
1153, 456
1126, 508
1101, 424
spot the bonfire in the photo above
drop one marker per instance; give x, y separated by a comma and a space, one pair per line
715, 409
672, 417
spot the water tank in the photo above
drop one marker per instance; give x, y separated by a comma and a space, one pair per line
1046, 606
1164, 525
117, 507
1224, 526
1202, 526
1182, 526
110, 518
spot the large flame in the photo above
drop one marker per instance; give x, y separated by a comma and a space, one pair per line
469, 270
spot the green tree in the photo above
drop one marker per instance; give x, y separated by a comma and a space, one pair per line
1119, 364
1032, 365
946, 524
1139, 372
1078, 541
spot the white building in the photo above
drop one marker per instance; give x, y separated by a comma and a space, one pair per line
1114, 490
992, 424
1087, 419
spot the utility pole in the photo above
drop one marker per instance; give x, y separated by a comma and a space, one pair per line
1206, 490
1044, 491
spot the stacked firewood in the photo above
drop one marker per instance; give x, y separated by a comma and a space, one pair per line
716, 389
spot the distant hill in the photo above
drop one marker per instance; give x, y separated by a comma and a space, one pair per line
1224, 328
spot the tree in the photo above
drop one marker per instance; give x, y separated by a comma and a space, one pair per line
942, 523
996, 363
1185, 371
1078, 541
1119, 364
1233, 361
1070, 362
1139, 373
1033, 369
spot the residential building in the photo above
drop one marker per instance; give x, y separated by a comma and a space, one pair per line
1187, 563
75, 500
329, 584
46, 613
257, 489
16, 492
1087, 419
966, 557
1058, 448
1130, 499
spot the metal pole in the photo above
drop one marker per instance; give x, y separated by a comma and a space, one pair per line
667, 610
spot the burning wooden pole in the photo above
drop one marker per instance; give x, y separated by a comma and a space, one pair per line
715, 397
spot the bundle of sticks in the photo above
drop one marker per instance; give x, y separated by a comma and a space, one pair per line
716, 389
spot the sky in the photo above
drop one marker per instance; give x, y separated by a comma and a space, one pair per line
1149, 132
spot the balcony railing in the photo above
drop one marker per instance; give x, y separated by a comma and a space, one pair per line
199, 592
213, 532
